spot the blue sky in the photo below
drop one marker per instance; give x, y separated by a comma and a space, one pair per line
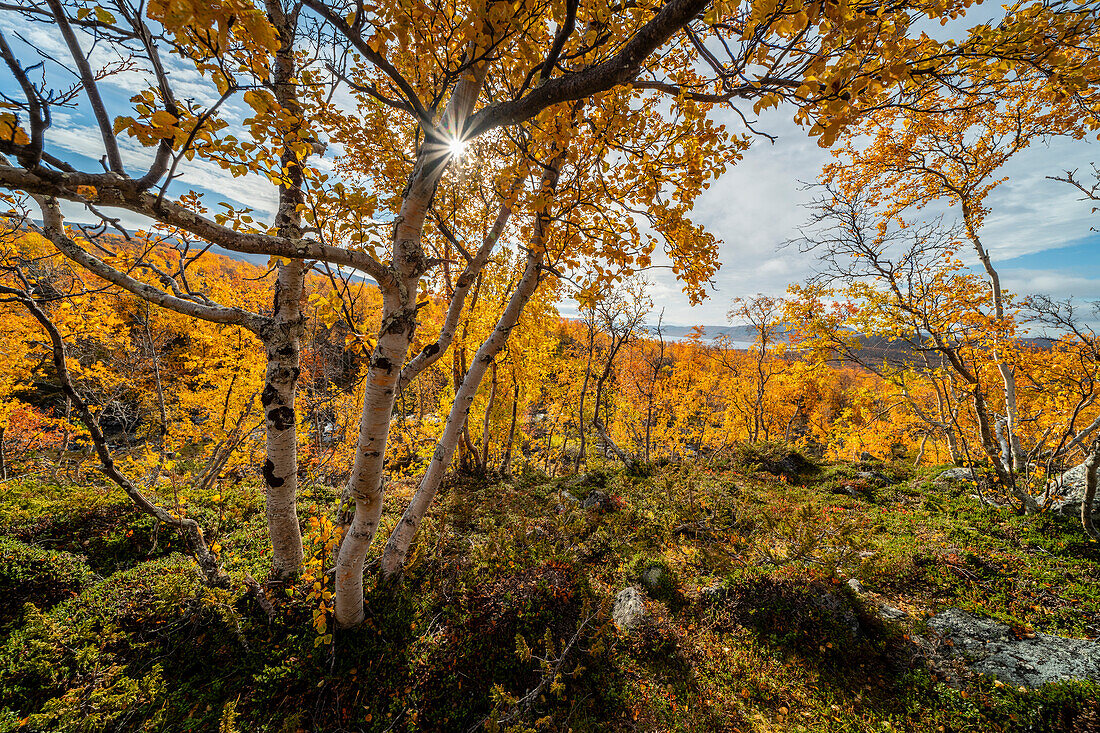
1038, 231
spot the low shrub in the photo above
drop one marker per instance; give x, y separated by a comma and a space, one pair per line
29, 573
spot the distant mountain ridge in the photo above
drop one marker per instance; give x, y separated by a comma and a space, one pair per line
739, 334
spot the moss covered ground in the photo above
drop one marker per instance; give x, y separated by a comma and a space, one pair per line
104, 625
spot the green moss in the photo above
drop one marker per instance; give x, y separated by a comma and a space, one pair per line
504, 575
655, 575
32, 574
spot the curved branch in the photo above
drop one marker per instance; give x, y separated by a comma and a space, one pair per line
54, 230
208, 562
433, 351
91, 88
600, 77
113, 190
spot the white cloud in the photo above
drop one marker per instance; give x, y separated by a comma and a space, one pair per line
758, 204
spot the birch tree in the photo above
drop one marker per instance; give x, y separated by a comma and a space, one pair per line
445, 75
914, 159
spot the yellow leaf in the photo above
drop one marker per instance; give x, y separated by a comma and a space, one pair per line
162, 118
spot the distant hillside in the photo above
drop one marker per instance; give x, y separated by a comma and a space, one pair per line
737, 334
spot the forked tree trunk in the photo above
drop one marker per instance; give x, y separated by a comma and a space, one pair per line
993, 453
397, 547
395, 335
601, 428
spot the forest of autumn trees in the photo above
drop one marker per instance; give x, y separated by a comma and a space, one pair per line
441, 176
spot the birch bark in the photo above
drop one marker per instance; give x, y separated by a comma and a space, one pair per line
397, 547
395, 335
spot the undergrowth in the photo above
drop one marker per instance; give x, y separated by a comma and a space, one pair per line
503, 620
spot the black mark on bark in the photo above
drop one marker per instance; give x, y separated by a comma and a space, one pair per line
282, 418
269, 475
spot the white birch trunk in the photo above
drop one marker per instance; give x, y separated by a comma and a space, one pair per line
1015, 458
395, 335
282, 343
397, 548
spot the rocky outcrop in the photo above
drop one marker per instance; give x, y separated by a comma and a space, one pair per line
1028, 660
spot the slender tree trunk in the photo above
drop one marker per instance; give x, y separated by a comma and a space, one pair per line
282, 344
1015, 457
992, 451
1092, 464
466, 446
395, 335
485, 421
920, 453
397, 547
506, 461
601, 428
283, 336
65, 432
581, 422
192, 532
3, 457
155, 358
550, 446
653, 387
400, 541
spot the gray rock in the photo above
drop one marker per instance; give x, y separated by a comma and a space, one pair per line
594, 499
569, 499
575, 481
839, 606
628, 611
956, 474
1070, 490
890, 613
874, 476
652, 577
1072, 481
994, 649
856, 586
714, 593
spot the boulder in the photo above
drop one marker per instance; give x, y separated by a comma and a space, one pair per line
595, 499
840, 608
889, 613
995, 649
628, 611
961, 473
713, 594
1070, 490
873, 477
653, 578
